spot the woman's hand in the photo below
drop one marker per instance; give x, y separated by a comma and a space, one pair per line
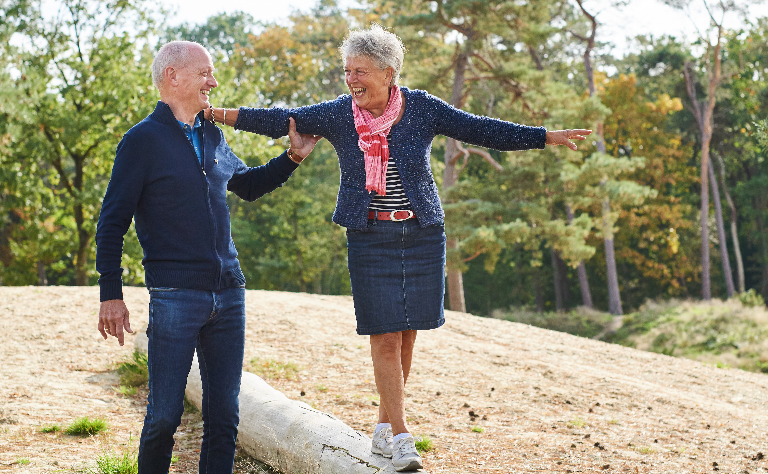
302, 144
564, 137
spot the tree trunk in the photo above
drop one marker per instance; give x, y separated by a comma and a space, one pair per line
454, 278
537, 290
586, 295
558, 281
614, 297
455, 283
563, 270
42, 278
728, 274
704, 118
81, 258
299, 254
706, 290
760, 207
734, 229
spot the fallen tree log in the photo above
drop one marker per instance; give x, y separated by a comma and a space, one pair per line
289, 435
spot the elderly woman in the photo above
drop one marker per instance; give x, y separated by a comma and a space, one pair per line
389, 204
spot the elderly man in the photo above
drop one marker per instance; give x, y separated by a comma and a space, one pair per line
171, 174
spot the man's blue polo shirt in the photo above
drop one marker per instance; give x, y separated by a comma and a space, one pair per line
193, 135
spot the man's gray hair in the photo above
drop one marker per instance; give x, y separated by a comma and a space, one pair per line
174, 54
383, 47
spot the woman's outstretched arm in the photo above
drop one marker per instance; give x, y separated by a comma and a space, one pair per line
495, 133
318, 119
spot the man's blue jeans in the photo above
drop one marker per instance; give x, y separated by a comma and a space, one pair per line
180, 321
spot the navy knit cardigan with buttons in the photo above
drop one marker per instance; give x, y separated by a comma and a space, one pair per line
425, 117
179, 205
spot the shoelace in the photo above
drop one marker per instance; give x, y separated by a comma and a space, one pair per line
406, 447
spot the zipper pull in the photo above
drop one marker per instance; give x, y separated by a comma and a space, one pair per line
204, 173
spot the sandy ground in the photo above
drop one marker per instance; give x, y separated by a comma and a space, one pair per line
494, 396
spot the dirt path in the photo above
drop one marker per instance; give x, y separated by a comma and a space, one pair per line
544, 401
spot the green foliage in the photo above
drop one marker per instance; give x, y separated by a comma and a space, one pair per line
751, 298
272, 369
189, 407
111, 462
134, 372
75, 82
424, 444
581, 321
577, 422
727, 333
79, 84
22, 461
86, 427
54, 428
478, 429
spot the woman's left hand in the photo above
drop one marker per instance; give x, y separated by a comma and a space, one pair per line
564, 137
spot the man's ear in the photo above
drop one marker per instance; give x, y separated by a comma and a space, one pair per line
171, 74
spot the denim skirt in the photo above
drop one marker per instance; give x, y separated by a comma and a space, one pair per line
397, 270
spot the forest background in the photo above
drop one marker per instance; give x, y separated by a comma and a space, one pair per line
668, 198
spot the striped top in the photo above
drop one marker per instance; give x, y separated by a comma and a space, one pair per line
395, 199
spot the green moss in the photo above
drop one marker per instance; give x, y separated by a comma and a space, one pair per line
134, 372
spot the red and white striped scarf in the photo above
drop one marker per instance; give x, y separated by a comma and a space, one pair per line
373, 140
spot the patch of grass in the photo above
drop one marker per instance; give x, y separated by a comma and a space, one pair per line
126, 391
478, 429
424, 444
189, 407
134, 372
577, 422
22, 461
54, 428
272, 369
321, 388
720, 333
174, 459
86, 427
581, 321
613, 422
644, 449
126, 462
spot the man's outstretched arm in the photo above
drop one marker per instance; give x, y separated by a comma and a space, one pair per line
252, 183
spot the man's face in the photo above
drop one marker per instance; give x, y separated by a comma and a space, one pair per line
196, 80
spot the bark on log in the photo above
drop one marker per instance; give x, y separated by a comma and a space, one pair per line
288, 435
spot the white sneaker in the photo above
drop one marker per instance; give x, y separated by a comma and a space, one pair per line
382, 442
404, 455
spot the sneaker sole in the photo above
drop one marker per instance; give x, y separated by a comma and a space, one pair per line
380, 452
411, 466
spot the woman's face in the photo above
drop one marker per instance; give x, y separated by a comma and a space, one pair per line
368, 84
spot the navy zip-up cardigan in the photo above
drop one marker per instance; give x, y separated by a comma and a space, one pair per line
179, 205
410, 144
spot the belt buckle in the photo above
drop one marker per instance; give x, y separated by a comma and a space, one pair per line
395, 219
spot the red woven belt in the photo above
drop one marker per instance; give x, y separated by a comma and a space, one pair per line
391, 215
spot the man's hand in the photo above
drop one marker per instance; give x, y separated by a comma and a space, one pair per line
113, 317
302, 144
564, 137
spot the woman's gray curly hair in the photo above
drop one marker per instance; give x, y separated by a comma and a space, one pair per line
383, 47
